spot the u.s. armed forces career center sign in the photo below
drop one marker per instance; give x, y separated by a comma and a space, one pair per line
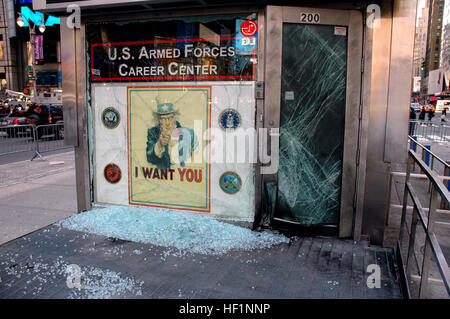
173, 59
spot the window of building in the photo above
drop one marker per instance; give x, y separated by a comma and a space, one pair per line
192, 71
47, 78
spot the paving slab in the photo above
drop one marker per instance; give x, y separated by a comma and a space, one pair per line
35, 194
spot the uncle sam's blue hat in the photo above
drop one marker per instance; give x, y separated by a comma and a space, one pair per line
165, 108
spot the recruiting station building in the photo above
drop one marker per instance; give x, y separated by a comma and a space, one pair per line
285, 116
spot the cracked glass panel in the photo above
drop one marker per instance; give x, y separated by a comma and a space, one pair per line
313, 91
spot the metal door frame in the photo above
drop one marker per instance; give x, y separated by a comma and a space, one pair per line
275, 17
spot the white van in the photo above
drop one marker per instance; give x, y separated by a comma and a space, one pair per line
441, 104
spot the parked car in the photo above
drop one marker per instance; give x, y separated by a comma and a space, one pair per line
41, 114
15, 118
44, 114
37, 114
9, 123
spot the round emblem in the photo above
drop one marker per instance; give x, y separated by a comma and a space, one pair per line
230, 182
112, 173
229, 119
248, 28
110, 117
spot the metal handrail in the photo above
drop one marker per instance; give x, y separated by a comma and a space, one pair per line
419, 215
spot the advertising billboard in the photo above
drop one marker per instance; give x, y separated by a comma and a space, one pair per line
435, 81
416, 84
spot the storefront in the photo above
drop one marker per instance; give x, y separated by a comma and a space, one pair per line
261, 113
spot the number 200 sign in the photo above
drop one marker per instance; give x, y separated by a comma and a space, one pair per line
310, 17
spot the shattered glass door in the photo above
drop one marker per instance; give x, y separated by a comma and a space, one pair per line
313, 93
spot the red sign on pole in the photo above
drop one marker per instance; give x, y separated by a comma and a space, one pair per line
249, 28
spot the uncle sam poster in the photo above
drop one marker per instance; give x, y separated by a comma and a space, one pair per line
168, 153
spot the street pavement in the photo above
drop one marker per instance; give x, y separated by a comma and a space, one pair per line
34, 194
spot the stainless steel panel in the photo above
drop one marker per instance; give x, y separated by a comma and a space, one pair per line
351, 139
390, 88
274, 38
172, 14
403, 31
377, 173
69, 84
82, 151
259, 112
44, 5
363, 133
73, 63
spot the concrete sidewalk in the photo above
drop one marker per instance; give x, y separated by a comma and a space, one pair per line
34, 194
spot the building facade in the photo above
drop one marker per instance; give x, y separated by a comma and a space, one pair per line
10, 75
155, 96
16, 62
420, 40
445, 61
434, 39
445, 53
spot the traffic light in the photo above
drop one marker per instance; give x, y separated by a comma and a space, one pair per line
422, 65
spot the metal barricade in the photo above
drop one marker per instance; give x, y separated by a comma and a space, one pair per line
26, 138
16, 138
431, 131
49, 138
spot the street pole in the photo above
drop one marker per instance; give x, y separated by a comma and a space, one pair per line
21, 22
33, 64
